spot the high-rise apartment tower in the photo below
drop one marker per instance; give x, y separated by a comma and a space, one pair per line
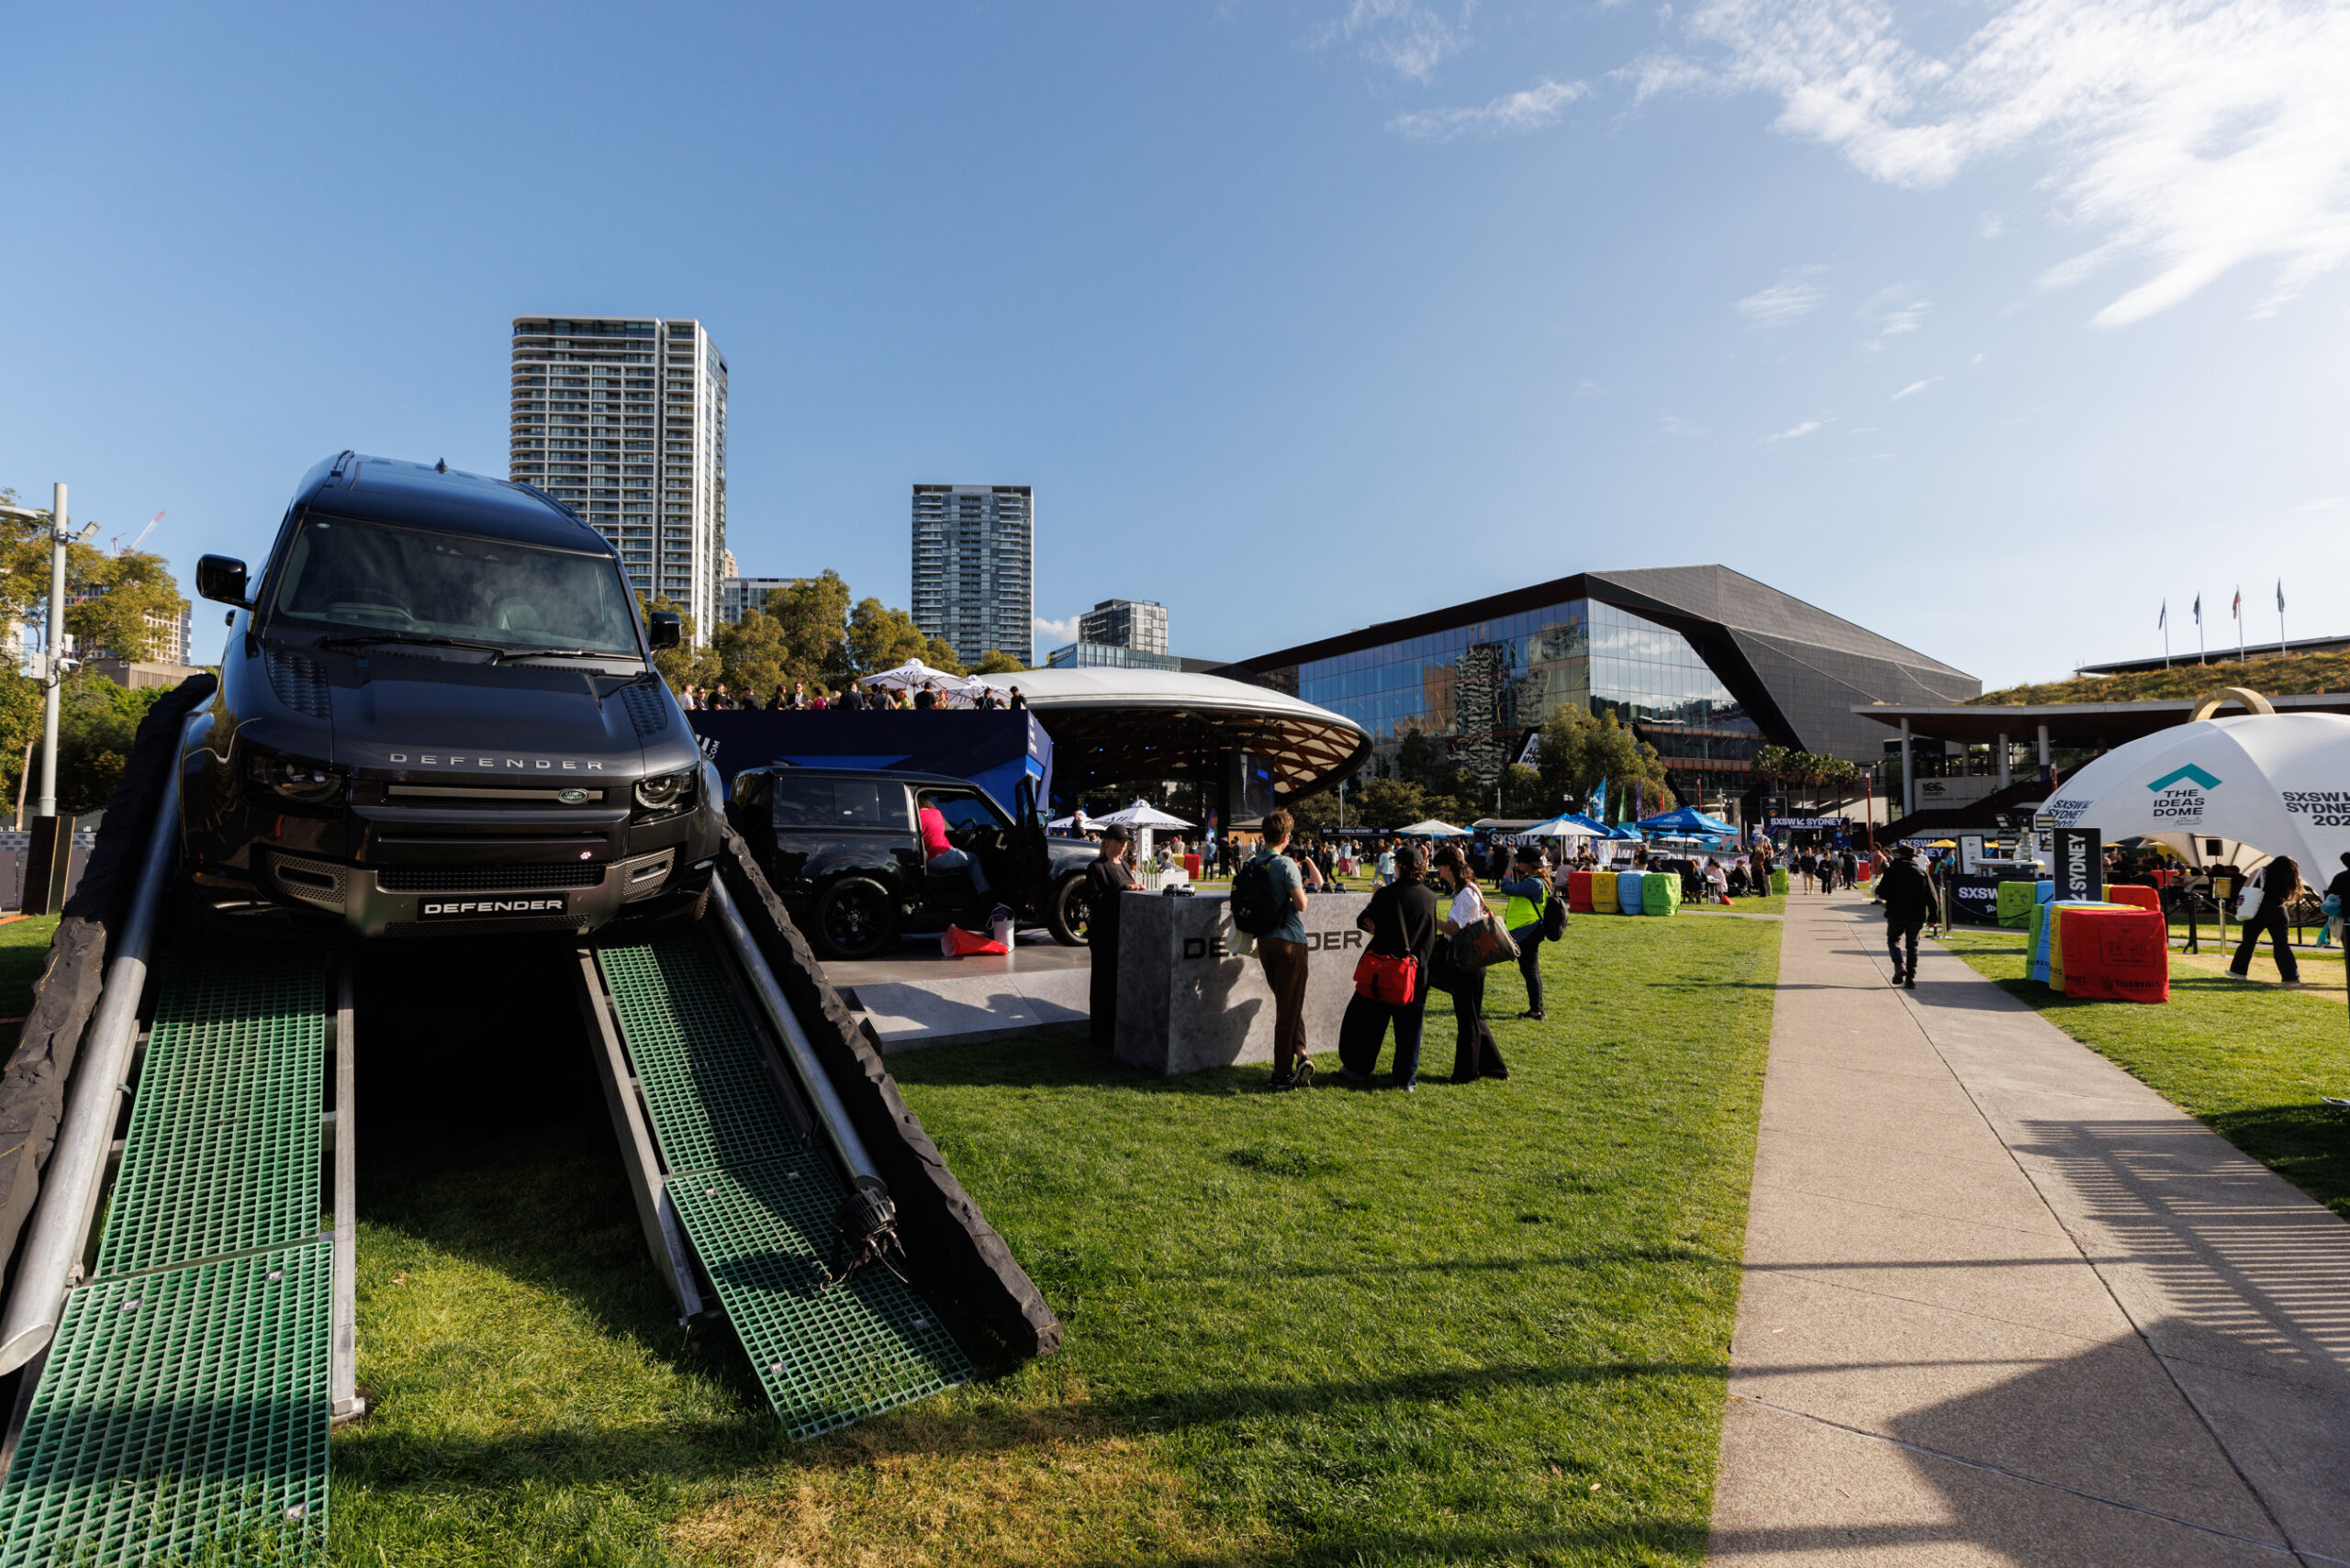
1126, 624
624, 421
974, 572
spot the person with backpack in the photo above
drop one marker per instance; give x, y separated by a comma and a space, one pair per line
1528, 916
1474, 1054
1909, 899
1392, 980
1106, 880
1268, 904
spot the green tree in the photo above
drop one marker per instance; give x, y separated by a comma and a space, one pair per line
751, 654
939, 654
684, 664
1582, 750
880, 638
1390, 804
813, 615
995, 661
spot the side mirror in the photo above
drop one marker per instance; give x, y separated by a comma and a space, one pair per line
663, 628
222, 580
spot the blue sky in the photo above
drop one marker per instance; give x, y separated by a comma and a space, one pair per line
1989, 326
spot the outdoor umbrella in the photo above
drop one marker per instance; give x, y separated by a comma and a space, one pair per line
1140, 814
2278, 781
1567, 826
1433, 829
912, 673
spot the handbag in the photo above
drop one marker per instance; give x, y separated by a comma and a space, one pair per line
2248, 903
1483, 944
1385, 978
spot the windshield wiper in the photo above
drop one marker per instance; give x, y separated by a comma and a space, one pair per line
505, 653
426, 638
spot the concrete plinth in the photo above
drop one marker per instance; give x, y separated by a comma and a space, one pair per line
1186, 1004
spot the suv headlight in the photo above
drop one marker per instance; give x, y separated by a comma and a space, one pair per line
293, 779
663, 791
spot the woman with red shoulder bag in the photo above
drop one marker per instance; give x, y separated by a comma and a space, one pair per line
1392, 978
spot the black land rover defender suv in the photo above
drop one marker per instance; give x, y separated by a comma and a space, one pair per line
437, 716
843, 849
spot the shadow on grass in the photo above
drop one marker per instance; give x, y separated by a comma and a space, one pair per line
707, 1451
2309, 1145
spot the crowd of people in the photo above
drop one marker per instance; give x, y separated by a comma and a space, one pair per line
800, 695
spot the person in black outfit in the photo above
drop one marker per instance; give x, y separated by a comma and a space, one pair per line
1474, 1054
1401, 920
2338, 890
1106, 881
1910, 897
1018, 701
2277, 881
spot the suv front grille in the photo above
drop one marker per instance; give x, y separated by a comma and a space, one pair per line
486, 879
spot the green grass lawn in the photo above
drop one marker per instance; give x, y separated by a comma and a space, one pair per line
1486, 1323
2252, 1061
24, 947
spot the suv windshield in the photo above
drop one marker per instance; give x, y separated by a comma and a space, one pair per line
349, 578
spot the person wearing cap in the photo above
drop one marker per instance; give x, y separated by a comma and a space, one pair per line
1106, 880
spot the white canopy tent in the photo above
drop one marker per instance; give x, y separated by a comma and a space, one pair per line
2274, 783
914, 675
1432, 828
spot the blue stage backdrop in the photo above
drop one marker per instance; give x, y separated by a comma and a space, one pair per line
994, 750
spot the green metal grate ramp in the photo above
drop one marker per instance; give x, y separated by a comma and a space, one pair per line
182, 1418
759, 1209
182, 1412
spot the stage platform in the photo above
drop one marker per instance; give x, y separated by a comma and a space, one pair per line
915, 998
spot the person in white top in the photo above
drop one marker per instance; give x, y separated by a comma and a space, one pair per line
1474, 1054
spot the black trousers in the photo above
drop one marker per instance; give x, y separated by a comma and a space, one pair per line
1896, 931
1530, 963
1364, 1029
1474, 1054
2270, 919
1102, 991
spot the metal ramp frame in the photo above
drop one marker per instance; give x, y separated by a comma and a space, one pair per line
719, 1148
182, 1410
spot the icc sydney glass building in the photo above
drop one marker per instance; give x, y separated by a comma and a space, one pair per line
1704, 663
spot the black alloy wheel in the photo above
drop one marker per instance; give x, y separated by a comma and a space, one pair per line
855, 918
1068, 913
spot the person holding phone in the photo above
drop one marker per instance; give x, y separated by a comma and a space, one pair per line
1474, 1054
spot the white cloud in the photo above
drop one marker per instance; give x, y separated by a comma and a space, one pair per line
1056, 632
1780, 303
1510, 114
1674, 424
1797, 433
1893, 313
2192, 136
1407, 37
1914, 389
2326, 504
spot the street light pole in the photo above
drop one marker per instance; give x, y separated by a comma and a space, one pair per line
52, 662
53, 673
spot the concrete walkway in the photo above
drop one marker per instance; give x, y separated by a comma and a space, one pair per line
2003, 1304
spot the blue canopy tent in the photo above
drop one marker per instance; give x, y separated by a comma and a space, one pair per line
1688, 820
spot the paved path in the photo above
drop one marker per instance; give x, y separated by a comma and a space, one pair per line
2004, 1304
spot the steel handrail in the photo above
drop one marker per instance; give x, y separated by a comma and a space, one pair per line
830, 1113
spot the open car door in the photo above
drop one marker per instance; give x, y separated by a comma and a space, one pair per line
1034, 854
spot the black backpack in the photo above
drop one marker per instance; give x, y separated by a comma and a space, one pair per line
1256, 907
1554, 916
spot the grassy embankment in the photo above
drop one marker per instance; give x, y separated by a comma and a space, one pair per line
2269, 676
2249, 1057
1484, 1323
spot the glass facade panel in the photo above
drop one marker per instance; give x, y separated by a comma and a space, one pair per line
1480, 688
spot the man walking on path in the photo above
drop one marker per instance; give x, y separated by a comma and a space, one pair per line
1909, 899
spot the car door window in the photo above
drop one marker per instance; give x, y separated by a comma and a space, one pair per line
964, 812
839, 802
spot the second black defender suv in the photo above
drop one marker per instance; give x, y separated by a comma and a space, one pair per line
438, 715
843, 849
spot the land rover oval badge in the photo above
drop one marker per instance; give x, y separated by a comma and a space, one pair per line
572, 797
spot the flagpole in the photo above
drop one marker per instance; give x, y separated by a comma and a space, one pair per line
2280, 618
2164, 620
2239, 623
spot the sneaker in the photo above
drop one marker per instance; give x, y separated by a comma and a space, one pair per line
1909, 984
1273, 1084
1411, 1088
1536, 1016
1897, 976
1304, 1077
